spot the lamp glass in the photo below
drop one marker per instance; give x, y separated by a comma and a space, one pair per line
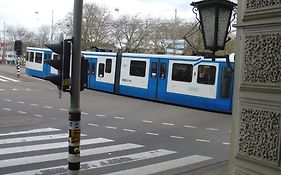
208, 21
223, 20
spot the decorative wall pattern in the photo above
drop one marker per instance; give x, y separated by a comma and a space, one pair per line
255, 4
262, 58
259, 134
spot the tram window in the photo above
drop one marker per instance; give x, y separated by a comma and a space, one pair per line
47, 56
163, 71
153, 70
182, 72
137, 68
206, 74
93, 69
38, 58
31, 56
225, 83
108, 64
55, 57
101, 70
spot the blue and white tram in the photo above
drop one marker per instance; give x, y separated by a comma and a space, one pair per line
182, 80
34, 62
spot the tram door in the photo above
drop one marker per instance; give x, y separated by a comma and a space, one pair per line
162, 79
92, 73
153, 78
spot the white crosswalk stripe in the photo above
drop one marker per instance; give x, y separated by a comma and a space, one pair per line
7, 79
21, 150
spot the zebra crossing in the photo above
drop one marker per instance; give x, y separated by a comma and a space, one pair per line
30, 152
7, 79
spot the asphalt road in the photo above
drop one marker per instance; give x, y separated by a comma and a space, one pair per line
121, 135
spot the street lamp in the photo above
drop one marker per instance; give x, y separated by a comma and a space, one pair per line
215, 16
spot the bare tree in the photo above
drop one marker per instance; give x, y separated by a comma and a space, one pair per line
44, 35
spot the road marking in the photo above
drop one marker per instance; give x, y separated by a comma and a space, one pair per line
147, 121
15, 89
177, 137
20, 102
31, 131
6, 109
168, 124
27, 89
121, 118
48, 107
37, 115
202, 140
10, 79
61, 109
151, 133
22, 112
8, 100
129, 130
100, 115
52, 118
2, 89
189, 126
111, 127
33, 104
225, 143
33, 138
47, 146
212, 129
84, 113
64, 155
3, 80
103, 162
92, 124
164, 166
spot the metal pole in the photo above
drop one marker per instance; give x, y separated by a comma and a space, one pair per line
74, 111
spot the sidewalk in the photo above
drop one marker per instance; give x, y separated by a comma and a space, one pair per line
218, 169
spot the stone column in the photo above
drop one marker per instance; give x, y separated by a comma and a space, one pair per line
256, 133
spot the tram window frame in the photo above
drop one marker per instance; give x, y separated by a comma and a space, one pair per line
38, 59
203, 72
101, 70
31, 57
93, 69
182, 72
153, 69
137, 68
108, 65
27, 56
163, 67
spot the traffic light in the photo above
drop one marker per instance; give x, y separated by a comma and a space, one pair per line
18, 47
84, 73
62, 64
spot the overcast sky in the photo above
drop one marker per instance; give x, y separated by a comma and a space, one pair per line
34, 13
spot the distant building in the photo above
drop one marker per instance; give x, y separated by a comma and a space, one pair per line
175, 46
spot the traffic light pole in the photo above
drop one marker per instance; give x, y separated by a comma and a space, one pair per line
74, 111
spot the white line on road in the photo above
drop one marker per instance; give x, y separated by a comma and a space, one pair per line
212, 129
10, 79
111, 127
27, 89
225, 143
202, 140
20, 102
48, 107
8, 100
52, 118
39, 116
129, 130
22, 112
2, 89
147, 121
33, 104
64, 155
163, 166
6, 109
62, 109
169, 124
3, 80
15, 89
92, 124
84, 113
151, 133
104, 162
100, 115
189, 126
121, 118
48, 146
177, 137
31, 131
